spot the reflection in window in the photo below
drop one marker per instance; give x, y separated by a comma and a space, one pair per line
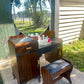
32, 16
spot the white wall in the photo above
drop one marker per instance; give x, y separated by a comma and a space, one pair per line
71, 17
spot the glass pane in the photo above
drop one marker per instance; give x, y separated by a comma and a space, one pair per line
32, 16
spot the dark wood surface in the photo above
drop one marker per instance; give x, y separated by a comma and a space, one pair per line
25, 56
49, 78
53, 51
49, 33
1, 81
24, 66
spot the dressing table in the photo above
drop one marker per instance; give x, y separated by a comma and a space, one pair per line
25, 54
25, 51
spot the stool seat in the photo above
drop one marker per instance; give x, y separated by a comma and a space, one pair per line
56, 66
56, 70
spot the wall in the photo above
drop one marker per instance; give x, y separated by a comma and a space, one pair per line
6, 27
71, 17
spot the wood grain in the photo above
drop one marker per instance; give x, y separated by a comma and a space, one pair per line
25, 67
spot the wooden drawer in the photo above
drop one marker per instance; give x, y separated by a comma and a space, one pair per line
26, 48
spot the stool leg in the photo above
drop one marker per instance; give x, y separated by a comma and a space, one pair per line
46, 76
68, 78
67, 75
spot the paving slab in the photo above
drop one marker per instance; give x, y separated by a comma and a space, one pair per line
77, 77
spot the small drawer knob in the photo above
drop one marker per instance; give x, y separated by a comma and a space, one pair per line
28, 48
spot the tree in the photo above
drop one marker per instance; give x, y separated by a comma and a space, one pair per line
17, 2
52, 14
37, 16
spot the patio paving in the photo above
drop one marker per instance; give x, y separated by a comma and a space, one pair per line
5, 70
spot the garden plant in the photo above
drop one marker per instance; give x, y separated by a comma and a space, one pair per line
74, 52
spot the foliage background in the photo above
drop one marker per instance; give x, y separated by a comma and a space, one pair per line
75, 53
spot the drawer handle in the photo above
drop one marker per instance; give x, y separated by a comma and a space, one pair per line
28, 48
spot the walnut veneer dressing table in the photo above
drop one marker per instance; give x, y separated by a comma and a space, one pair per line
25, 54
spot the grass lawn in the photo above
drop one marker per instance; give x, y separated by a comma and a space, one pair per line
28, 27
75, 53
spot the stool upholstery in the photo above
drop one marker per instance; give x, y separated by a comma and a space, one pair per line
56, 70
57, 66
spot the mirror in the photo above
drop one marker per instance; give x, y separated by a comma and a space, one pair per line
32, 16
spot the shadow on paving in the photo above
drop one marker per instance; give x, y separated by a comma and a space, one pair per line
6, 75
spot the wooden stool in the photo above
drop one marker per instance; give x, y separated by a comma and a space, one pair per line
56, 70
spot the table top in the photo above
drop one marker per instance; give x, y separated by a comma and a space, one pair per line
21, 40
55, 43
43, 48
